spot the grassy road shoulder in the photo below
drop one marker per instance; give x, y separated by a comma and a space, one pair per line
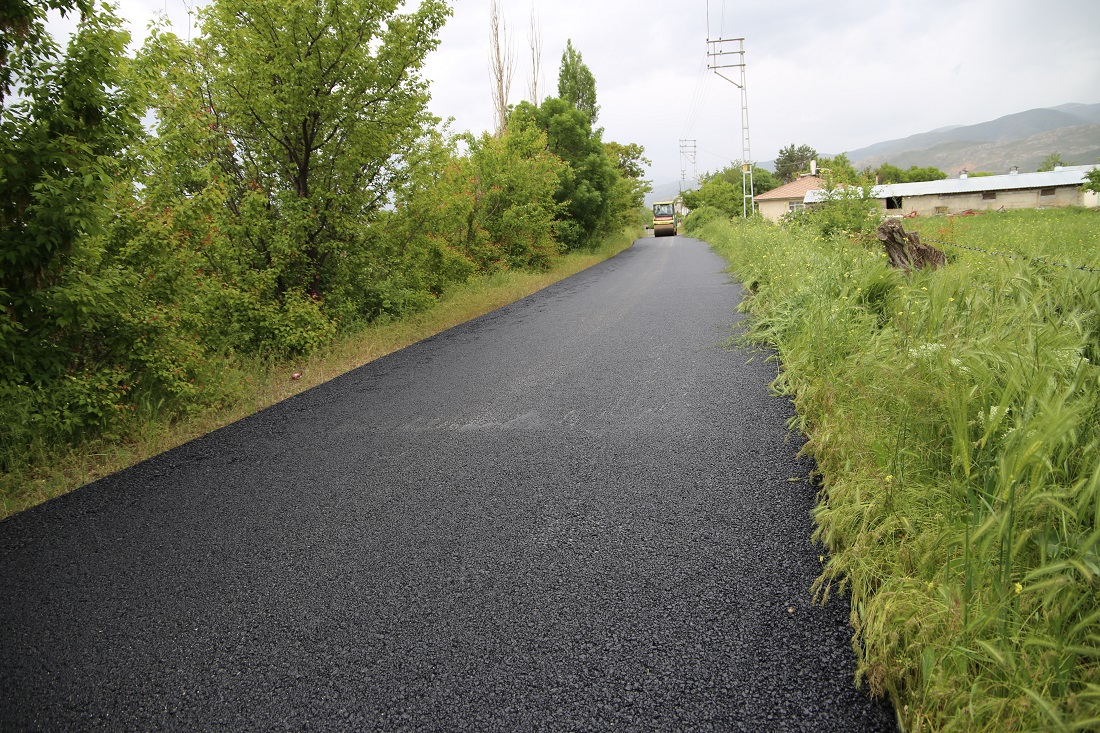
955, 419
256, 385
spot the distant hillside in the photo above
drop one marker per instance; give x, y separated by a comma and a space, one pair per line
1023, 139
1079, 144
666, 191
1090, 112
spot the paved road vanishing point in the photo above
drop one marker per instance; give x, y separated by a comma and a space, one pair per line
572, 514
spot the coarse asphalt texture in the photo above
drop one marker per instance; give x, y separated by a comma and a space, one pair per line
575, 513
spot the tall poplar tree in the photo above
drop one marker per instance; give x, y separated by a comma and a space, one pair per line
576, 84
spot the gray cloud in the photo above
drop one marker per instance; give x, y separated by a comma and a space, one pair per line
836, 75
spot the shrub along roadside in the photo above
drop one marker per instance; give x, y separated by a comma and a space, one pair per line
955, 420
289, 188
252, 385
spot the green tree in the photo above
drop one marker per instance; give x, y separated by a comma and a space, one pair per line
318, 100
576, 84
628, 197
512, 181
763, 181
23, 30
887, 173
58, 138
792, 160
587, 184
1051, 162
723, 190
63, 136
716, 193
850, 208
839, 171
1092, 179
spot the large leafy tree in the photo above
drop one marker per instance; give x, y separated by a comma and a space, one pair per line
319, 100
792, 160
493, 207
587, 184
59, 134
576, 84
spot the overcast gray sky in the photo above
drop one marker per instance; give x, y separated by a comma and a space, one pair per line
836, 75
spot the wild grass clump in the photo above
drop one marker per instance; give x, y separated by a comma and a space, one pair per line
955, 419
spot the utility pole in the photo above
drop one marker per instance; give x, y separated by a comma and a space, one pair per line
729, 53
688, 157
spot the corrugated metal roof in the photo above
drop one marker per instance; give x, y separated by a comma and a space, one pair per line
1072, 175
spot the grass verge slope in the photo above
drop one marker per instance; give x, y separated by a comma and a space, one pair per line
955, 419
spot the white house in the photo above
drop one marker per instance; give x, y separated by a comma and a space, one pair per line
788, 197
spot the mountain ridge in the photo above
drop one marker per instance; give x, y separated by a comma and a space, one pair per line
991, 145
1022, 139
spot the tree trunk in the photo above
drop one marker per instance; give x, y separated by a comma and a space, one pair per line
904, 249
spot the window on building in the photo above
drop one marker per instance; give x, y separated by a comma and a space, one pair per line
795, 206
1046, 191
893, 202
989, 195
941, 209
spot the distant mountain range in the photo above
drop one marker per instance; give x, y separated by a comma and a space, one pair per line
1023, 139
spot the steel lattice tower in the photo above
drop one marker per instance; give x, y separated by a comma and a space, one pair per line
729, 53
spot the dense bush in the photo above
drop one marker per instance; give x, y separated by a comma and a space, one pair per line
844, 209
699, 218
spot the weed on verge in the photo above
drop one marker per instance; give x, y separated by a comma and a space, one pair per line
955, 418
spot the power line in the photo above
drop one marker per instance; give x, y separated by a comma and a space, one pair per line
698, 100
688, 154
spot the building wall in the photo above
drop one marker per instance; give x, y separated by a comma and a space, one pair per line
1022, 199
772, 209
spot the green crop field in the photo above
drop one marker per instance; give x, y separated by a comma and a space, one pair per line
955, 419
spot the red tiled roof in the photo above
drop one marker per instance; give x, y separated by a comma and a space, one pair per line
796, 189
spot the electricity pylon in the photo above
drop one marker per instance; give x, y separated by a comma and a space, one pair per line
729, 53
688, 156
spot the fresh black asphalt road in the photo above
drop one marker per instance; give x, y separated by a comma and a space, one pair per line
572, 514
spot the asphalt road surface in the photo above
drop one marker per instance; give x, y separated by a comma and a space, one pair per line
574, 513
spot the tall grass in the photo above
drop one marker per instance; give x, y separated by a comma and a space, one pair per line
48, 471
955, 420
1066, 235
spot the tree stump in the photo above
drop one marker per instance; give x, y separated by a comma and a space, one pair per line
904, 249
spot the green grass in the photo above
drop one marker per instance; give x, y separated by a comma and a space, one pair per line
955, 420
51, 471
1065, 235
